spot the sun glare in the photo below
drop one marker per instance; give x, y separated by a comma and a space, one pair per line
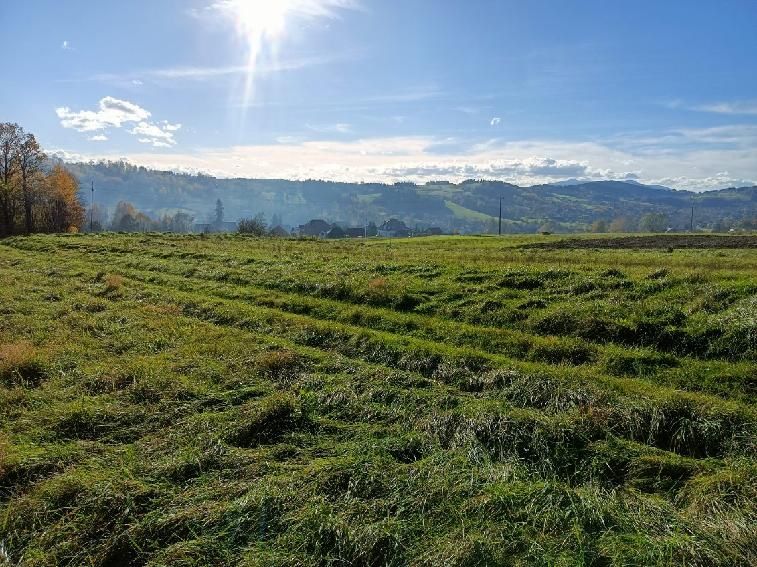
260, 26
261, 20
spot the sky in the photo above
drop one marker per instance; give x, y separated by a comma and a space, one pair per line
522, 91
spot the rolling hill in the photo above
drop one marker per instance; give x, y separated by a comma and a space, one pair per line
470, 206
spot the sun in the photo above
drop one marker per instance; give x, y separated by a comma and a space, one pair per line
261, 20
260, 26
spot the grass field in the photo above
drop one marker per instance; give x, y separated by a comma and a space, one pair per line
180, 400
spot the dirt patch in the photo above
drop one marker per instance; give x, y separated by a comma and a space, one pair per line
652, 242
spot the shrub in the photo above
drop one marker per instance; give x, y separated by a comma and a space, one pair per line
255, 226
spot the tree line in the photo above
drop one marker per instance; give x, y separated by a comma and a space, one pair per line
33, 196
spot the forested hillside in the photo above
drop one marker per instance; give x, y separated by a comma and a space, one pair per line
469, 206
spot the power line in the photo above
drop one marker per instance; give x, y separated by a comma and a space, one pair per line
499, 230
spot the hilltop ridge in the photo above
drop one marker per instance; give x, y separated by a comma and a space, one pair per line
469, 206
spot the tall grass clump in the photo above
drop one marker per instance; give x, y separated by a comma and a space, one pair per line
21, 364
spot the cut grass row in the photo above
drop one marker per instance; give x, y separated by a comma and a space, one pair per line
735, 380
170, 427
684, 315
686, 423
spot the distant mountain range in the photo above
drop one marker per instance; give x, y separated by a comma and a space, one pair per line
572, 182
472, 205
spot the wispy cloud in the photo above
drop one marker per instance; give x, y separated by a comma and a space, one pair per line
66, 46
735, 107
170, 76
98, 138
675, 140
203, 73
468, 109
746, 107
495, 121
338, 128
408, 95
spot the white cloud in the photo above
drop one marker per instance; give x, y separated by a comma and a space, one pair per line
168, 127
158, 135
137, 82
112, 112
685, 158
65, 45
98, 138
115, 113
495, 121
411, 158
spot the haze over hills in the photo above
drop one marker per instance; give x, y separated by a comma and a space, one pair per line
470, 206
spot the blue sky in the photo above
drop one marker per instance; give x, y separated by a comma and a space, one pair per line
526, 92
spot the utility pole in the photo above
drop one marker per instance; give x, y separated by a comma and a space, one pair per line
499, 230
92, 208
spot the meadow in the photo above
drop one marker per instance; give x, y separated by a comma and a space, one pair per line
442, 401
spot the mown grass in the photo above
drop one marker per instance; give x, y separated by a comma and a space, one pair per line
176, 400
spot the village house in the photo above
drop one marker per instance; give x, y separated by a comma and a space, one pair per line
315, 227
394, 228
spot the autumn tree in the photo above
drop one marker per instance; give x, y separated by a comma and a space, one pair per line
10, 140
124, 217
30, 159
61, 209
180, 222
127, 218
